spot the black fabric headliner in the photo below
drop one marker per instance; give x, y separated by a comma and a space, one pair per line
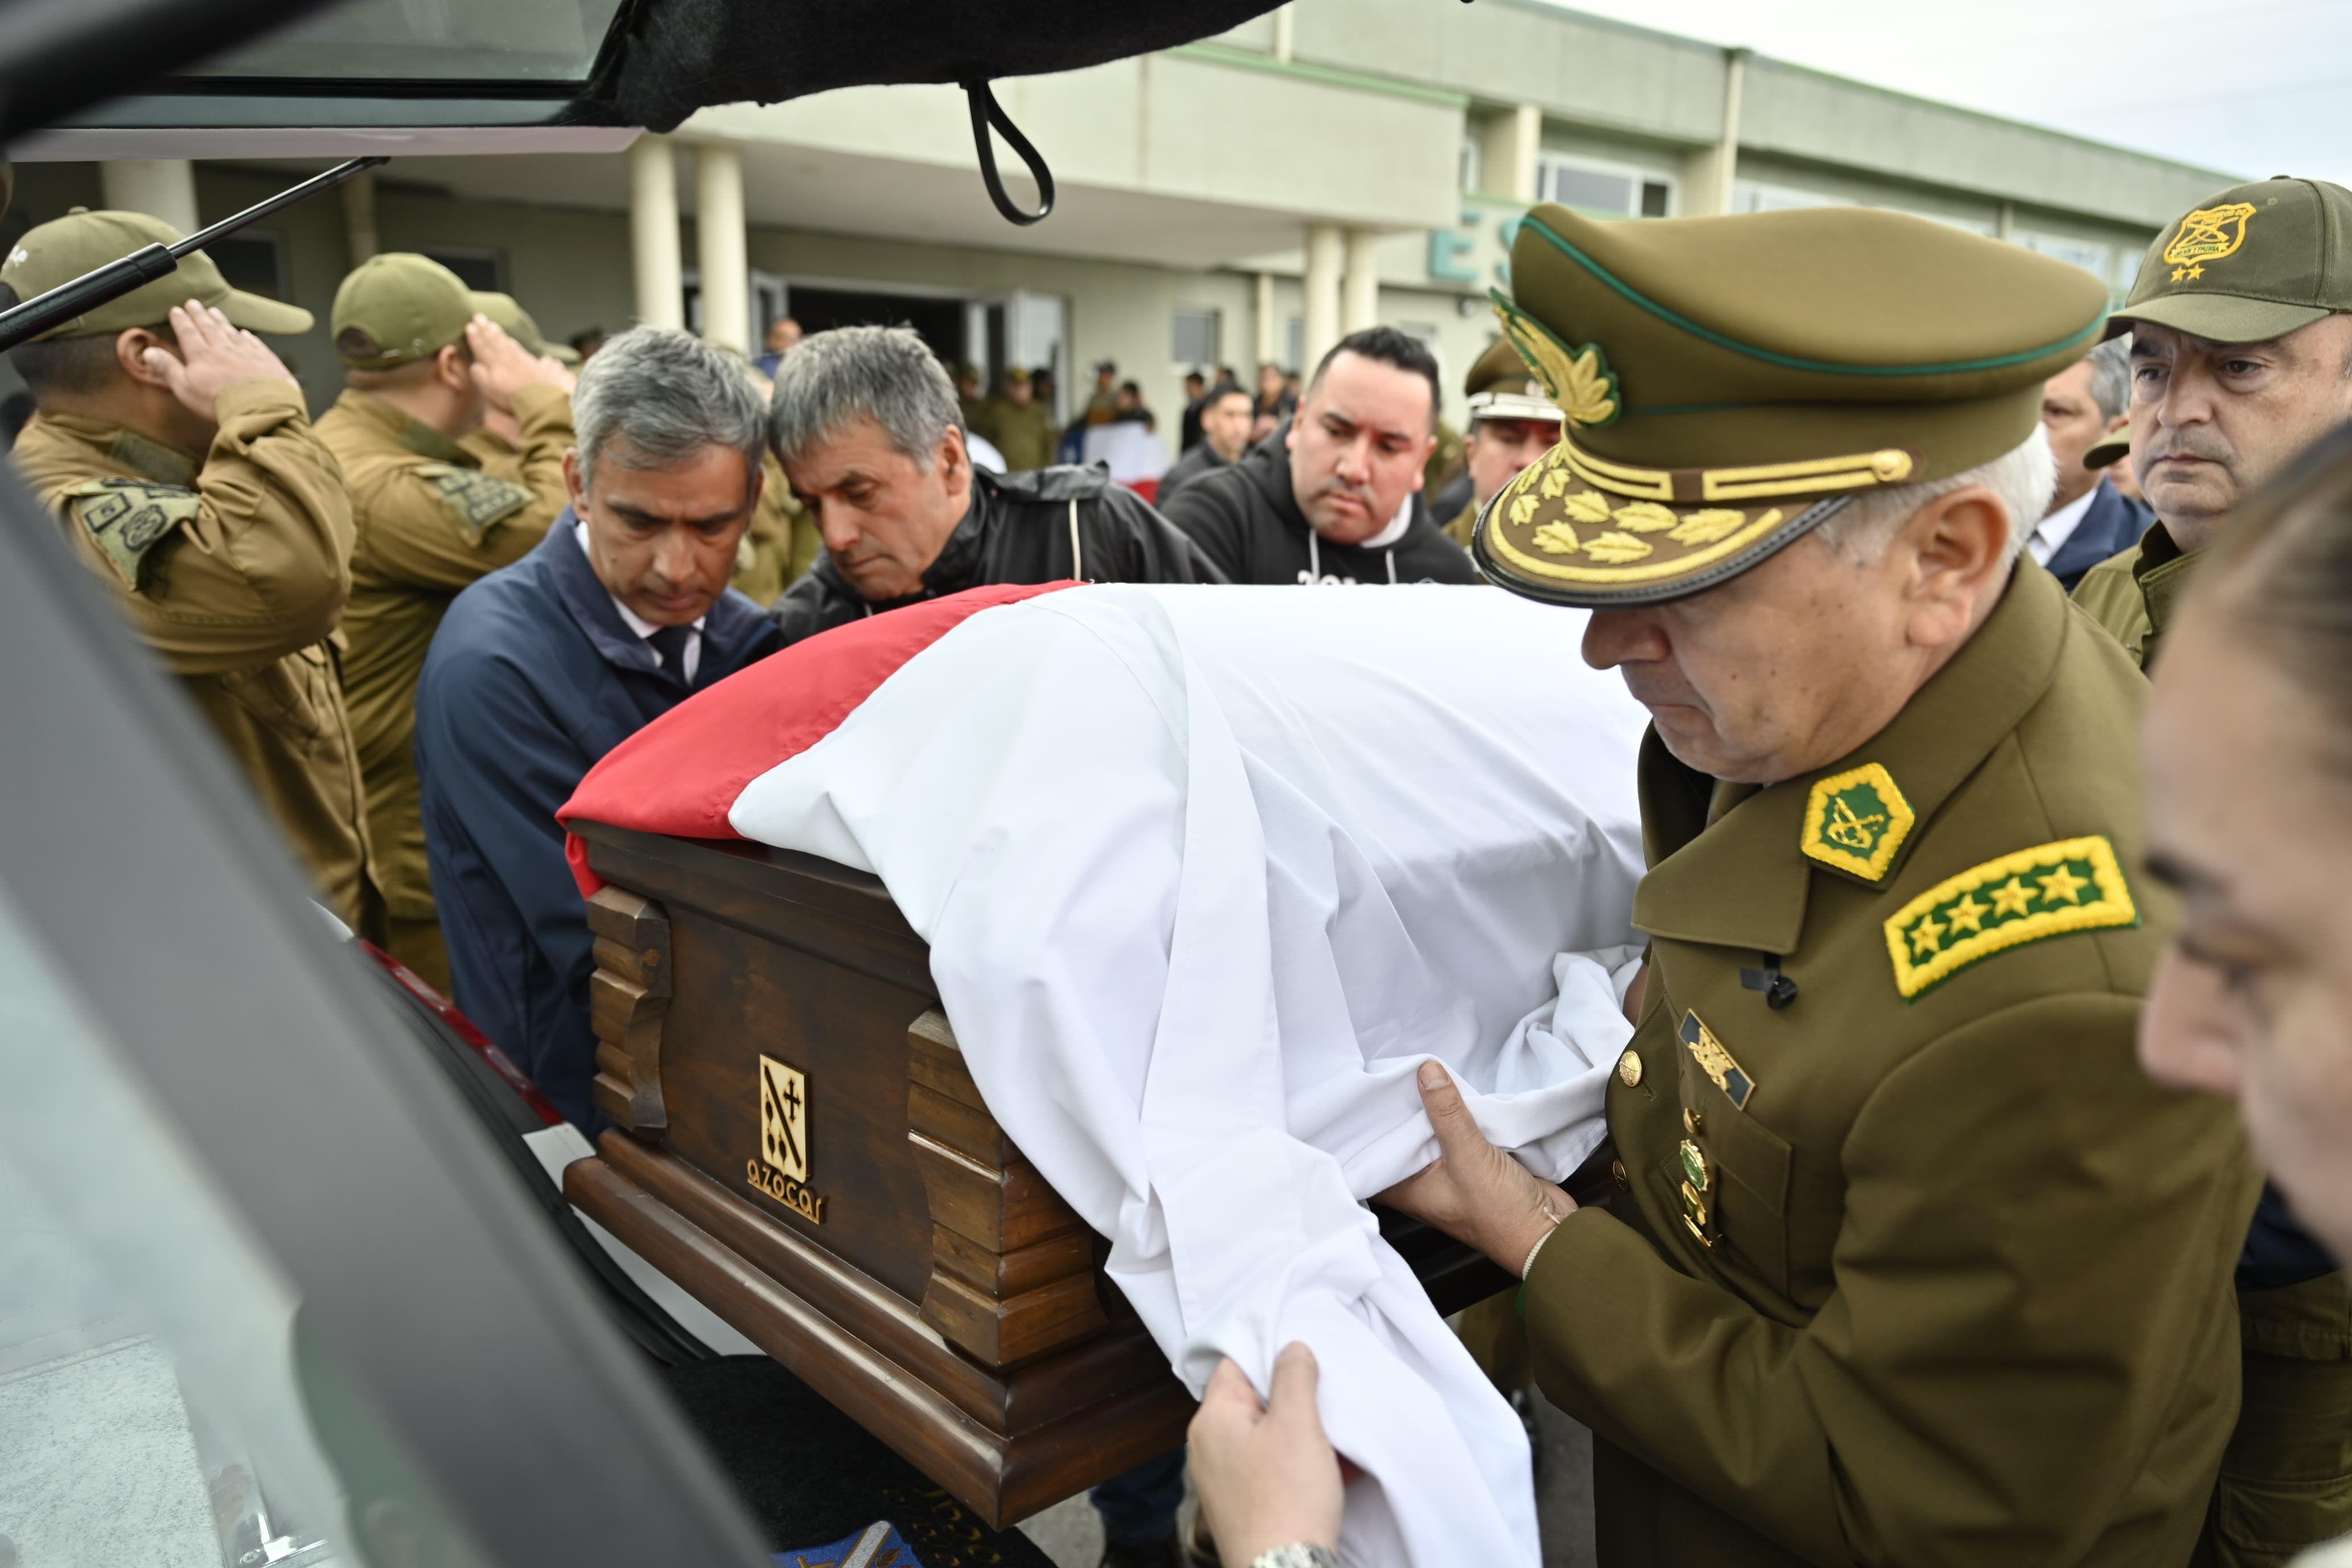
663, 59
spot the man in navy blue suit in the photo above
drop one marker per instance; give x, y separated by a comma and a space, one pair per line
2089, 519
537, 670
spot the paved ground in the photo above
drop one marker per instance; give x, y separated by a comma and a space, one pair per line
1070, 1536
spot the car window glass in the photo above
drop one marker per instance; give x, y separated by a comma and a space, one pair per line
513, 40
159, 1403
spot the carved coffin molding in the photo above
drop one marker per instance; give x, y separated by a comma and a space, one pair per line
1012, 1264
628, 999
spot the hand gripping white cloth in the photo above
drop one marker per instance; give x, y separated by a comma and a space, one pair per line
1206, 873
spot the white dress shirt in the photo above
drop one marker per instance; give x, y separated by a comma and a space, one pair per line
636, 623
2052, 531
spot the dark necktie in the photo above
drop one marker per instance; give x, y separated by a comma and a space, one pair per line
668, 644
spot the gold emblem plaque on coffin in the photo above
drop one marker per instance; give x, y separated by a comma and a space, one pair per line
798, 1145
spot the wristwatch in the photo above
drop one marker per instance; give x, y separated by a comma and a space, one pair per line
1298, 1555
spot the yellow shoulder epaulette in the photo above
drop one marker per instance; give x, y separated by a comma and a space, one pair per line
2049, 890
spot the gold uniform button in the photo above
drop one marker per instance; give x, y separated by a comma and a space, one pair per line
1617, 1174
1629, 1070
1694, 1123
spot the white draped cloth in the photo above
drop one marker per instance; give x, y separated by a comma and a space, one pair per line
1206, 873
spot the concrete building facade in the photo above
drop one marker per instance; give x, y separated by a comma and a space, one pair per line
1242, 199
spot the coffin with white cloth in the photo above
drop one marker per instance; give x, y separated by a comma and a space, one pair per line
1005, 1000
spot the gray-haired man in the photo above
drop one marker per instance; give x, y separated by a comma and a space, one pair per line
866, 422
2089, 519
540, 668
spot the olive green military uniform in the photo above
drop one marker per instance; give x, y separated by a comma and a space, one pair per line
1444, 458
429, 522
1908, 1261
1023, 432
232, 563
1498, 387
2250, 264
780, 544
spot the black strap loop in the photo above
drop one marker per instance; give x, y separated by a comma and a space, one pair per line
986, 111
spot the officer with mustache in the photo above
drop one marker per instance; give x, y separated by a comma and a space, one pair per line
2241, 357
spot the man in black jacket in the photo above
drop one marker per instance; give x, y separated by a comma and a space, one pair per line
865, 422
1334, 498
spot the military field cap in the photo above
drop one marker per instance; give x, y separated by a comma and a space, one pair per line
2108, 449
2251, 263
56, 252
398, 308
1500, 386
1016, 376
1729, 383
517, 322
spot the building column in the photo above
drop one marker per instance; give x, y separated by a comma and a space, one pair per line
1360, 302
659, 276
2007, 227
359, 216
1709, 173
1506, 153
722, 247
1269, 331
159, 187
1326, 251
1286, 32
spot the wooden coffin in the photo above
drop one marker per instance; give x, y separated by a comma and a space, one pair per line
800, 1146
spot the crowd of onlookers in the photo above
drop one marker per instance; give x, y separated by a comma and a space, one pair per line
417, 619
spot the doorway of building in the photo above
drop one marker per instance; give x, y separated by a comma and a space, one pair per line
938, 320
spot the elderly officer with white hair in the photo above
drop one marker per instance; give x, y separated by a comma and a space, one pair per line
866, 424
538, 670
1903, 1257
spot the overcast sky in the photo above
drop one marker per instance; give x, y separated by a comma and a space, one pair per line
2252, 87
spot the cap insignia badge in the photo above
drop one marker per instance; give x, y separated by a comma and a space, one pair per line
1577, 378
2208, 234
1856, 822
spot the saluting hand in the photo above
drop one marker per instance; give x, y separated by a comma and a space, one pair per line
213, 357
1266, 1474
503, 367
1473, 1191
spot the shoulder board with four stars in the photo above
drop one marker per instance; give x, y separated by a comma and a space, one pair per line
2049, 890
480, 499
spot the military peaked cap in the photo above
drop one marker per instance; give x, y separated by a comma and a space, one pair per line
1731, 382
1500, 386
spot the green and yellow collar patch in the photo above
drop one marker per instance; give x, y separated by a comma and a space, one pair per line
2049, 890
1856, 821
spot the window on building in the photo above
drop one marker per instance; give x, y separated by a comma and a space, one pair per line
1471, 167
1194, 339
1602, 187
1757, 197
476, 268
2089, 255
1294, 345
251, 261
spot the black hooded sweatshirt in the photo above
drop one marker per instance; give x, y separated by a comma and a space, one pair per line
1246, 520
1037, 527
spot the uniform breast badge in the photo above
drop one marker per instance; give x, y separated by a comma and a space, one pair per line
1714, 1061
1697, 1193
2049, 890
1856, 821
